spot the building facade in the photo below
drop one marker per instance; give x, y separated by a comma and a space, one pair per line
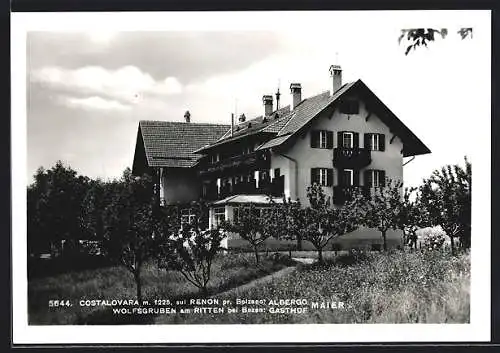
343, 140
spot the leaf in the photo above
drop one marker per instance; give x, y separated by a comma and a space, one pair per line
444, 32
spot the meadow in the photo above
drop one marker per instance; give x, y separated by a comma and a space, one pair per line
115, 282
399, 287
394, 287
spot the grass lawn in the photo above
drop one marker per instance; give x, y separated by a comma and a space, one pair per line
110, 283
377, 288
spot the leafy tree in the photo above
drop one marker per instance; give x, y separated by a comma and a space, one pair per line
289, 222
446, 197
97, 198
412, 216
321, 223
191, 251
422, 36
254, 225
133, 230
381, 210
54, 207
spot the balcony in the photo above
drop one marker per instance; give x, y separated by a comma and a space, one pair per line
240, 163
351, 158
266, 187
342, 194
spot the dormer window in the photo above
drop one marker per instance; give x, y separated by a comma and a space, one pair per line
349, 106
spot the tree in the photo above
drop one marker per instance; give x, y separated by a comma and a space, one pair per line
191, 251
411, 216
321, 223
416, 37
54, 207
289, 222
133, 231
446, 197
97, 198
254, 225
381, 210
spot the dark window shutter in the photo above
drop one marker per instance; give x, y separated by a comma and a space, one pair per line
340, 140
341, 177
355, 137
381, 175
314, 176
329, 139
368, 178
368, 141
314, 139
329, 177
355, 177
381, 142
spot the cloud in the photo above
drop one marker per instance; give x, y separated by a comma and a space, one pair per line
93, 103
102, 88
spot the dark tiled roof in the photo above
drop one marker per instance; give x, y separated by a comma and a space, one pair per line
171, 144
309, 108
251, 127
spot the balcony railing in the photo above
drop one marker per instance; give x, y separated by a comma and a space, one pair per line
342, 194
254, 160
266, 187
352, 158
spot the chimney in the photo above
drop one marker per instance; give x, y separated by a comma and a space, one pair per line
296, 90
187, 116
232, 124
242, 118
268, 105
336, 74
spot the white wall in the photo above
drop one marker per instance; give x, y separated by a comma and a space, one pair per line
390, 160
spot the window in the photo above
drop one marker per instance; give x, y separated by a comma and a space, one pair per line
374, 178
219, 215
347, 140
188, 216
348, 177
349, 106
277, 173
375, 142
322, 139
322, 176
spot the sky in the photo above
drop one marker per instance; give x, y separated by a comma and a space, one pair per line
88, 85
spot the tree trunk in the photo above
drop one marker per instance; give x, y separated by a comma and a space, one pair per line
452, 243
256, 252
204, 291
138, 284
320, 255
384, 239
299, 243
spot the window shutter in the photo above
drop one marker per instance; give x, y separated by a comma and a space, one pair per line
340, 140
368, 178
368, 141
341, 177
314, 176
381, 142
314, 139
355, 177
329, 177
329, 140
381, 175
355, 137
